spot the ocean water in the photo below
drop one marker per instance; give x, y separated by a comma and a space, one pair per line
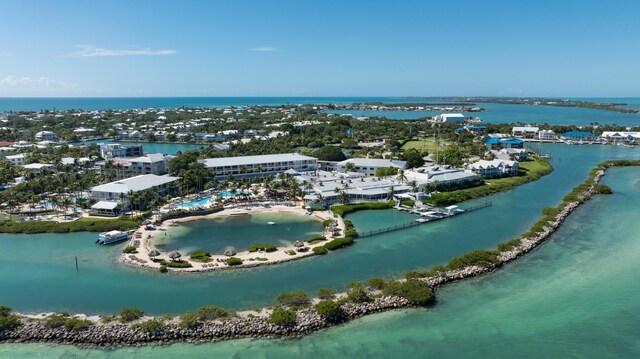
576, 296
529, 114
34, 264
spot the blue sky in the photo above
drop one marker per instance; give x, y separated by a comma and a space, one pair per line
319, 48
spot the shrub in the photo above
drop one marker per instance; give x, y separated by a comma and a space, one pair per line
509, 245
212, 312
176, 264
376, 283
130, 314
291, 252
602, 189
327, 222
130, 250
436, 271
55, 321
200, 256
293, 299
163, 269
76, 324
149, 326
415, 291
9, 322
189, 320
480, 258
339, 243
83, 224
316, 239
348, 224
342, 210
326, 293
264, 247
351, 233
357, 293
415, 274
320, 250
407, 202
281, 316
328, 308
233, 261
4, 311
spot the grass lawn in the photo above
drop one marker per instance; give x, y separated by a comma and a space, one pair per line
428, 145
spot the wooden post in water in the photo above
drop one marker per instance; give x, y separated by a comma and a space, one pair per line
76, 263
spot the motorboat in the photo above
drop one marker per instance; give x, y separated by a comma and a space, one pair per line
112, 237
271, 223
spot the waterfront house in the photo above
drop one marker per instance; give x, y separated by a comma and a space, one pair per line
495, 168
580, 136
524, 132
153, 163
45, 136
497, 142
449, 117
621, 136
518, 154
547, 135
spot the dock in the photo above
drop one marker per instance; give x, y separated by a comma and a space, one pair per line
427, 215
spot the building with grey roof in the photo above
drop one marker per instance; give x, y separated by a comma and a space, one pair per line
368, 166
118, 191
258, 166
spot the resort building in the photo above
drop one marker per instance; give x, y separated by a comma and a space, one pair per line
518, 154
368, 166
45, 135
578, 136
114, 196
524, 132
258, 166
547, 135
497, 142
449, 117
113, 150
154, 163
495, 168
621, 136
443, 177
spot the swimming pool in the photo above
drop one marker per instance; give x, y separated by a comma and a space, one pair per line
200, 202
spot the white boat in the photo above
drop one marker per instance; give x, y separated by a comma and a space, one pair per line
271, 223
112, 237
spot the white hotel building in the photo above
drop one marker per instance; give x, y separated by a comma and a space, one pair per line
258, 166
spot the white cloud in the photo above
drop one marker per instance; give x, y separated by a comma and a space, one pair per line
12, 85
264, 49
91, 51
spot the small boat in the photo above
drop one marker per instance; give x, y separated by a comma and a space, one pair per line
271, 223
112, 237
173, 224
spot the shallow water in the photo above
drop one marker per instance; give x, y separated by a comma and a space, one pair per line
239, 232
575, 296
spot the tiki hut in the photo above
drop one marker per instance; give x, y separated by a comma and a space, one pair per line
229, 252
153, 253
175, 255
298, 244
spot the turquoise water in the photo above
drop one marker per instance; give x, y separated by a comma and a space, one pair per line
195, 203
505, 113
576, 296
151, 147
230, 195
240, 232
45, 263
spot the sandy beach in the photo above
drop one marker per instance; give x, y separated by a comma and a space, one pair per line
143, 240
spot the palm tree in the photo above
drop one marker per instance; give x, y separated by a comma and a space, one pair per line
392, 192
401, 176
344, 197
320, 199
414, 186
65, 202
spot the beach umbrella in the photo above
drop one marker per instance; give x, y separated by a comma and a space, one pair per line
175, 255
298, 244
155, 253
229, 252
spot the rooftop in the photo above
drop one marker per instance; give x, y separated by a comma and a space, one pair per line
135, 184
250, 160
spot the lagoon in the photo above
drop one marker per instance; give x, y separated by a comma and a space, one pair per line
238, 232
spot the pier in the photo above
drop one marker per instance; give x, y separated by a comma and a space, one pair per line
428, 215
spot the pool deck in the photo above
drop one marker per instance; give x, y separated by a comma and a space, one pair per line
144, 238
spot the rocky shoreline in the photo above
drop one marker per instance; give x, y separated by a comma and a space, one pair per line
249, 326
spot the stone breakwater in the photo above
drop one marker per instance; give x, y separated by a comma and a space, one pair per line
307, 320
119, 334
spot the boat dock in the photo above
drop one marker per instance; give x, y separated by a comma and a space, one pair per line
427, 215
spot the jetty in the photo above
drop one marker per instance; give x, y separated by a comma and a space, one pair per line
427, 214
